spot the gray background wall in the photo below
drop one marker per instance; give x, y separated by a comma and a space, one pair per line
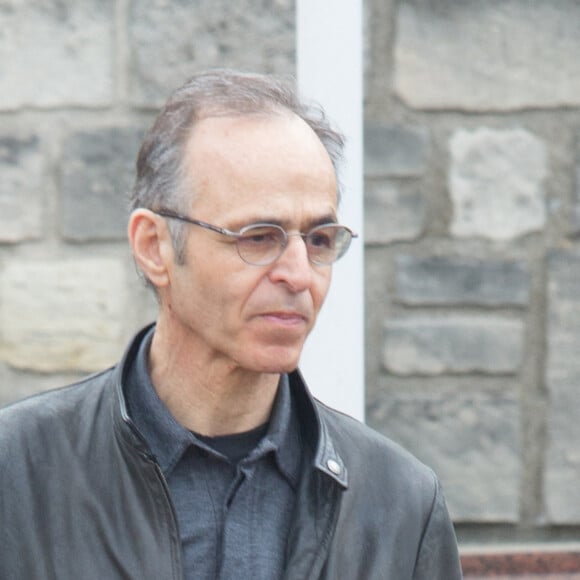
472, 208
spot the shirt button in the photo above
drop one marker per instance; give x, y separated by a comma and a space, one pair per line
334, 466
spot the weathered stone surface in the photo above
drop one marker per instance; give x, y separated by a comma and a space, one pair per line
469, 438
496, 183
56, 53
497, 55
575, 217
98, 172
23, 171
395, 150
562, 490
253, 35
16, 384
392, 213
429, 345
449, 280
62, 315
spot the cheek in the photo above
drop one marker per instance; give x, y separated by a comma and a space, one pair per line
236, 294
198, 292
320, 288
251, 292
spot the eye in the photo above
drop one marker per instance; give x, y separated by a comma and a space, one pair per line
260, 236
322, 238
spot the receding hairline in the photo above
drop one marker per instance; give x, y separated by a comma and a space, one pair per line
272, 114
219, 93
160, 179
190, 151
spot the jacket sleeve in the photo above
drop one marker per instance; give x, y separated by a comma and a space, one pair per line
438, 556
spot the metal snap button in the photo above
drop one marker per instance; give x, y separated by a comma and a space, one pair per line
334, 466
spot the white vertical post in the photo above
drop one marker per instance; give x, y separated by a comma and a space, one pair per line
330, 71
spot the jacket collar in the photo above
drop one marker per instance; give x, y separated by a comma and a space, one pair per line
123, 424
327, 458
318, 438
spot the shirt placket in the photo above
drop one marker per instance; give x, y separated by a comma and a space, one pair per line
236, 530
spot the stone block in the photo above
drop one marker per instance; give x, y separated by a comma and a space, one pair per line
496, 183
449, 280
575, 217
429, 345
62, 315
395, 150
487, 56
392, 213
469, 438
575, 214
16, 384
98, 170
562, 490
56, 53
248, 34
24, 177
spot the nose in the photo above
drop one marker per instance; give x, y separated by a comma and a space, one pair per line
293, 267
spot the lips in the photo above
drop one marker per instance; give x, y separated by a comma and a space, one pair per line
286, 316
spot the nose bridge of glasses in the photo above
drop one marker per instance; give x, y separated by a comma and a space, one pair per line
289, 235
296, 234
284, 244
311, 251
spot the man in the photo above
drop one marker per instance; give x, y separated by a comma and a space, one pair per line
202, 455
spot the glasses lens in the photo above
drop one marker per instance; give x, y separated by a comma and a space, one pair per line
327, 243
260, 245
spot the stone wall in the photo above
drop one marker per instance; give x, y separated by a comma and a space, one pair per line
472, 204
473, 274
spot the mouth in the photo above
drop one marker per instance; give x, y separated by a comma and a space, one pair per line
285, 318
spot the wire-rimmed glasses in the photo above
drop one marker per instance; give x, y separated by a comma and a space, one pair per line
261, 244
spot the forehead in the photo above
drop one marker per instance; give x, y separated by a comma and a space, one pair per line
244, 163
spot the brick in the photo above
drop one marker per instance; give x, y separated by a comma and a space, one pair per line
544, 561
247, 34
98, 172
395, 150
562, 492
24, 176
455, 344
487, 55
443, 280
56, 53
62, 315
392, 213
496, 183
469, 438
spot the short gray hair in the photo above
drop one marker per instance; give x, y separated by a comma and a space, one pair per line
160, 175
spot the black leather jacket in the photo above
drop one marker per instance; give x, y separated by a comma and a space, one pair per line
81, 498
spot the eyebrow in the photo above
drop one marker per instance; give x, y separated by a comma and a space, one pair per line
325, 219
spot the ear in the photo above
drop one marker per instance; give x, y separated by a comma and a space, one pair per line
151, 244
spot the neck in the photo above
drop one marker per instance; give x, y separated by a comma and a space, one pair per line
210, 397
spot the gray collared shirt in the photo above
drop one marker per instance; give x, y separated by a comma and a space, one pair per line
233, 518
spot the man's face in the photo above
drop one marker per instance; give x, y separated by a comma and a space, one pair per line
247, 170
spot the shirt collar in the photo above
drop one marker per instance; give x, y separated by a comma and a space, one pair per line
168, 439
283, 435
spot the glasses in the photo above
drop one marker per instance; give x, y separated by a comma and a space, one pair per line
262, 244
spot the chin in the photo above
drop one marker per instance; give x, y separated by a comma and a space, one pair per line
277, 367
277, 362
